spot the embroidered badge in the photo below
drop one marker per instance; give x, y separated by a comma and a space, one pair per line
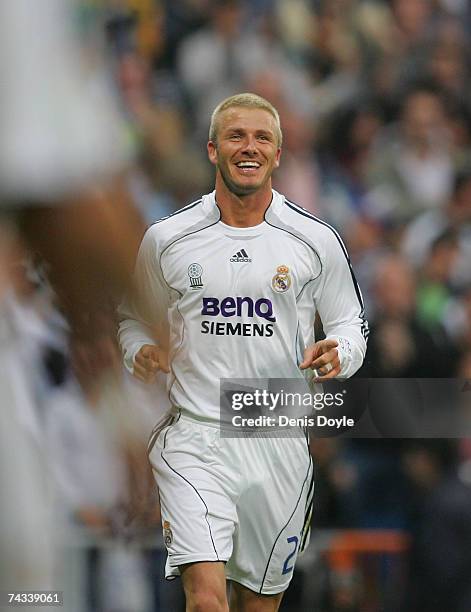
281, 282
195, 271
168, 535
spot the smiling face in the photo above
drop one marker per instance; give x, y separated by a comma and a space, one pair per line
246, 151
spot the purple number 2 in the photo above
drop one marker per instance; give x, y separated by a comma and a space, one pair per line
289, 568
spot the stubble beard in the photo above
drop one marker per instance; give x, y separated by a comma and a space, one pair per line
235, 188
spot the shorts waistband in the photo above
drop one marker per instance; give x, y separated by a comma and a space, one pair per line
274, 431
191, 418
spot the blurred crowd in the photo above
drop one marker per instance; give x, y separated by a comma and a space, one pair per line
376, 115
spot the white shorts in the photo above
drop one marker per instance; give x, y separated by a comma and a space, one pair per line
243, 501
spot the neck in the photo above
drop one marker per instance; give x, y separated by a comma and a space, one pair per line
242, 210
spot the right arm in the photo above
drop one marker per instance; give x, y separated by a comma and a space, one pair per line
144, 321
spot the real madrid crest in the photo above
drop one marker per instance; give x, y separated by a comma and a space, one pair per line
168, 535
281, 282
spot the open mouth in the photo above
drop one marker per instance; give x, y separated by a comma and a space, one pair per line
248, 167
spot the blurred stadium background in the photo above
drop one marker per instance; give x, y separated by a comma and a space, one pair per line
375, 104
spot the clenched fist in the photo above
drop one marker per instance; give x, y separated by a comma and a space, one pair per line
148, 361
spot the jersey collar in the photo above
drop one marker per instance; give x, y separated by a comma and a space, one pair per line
212, 210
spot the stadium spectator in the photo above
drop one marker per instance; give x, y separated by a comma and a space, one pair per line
412, 166
400, 346
434, 287
299, 175
454, 216
442, 529
221, 58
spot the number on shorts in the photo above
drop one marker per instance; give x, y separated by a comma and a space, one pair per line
289, 568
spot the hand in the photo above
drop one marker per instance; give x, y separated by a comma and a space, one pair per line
320, 356
148, 361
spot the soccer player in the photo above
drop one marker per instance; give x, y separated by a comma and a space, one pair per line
229, 286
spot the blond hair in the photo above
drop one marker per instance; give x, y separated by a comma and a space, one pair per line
244, 100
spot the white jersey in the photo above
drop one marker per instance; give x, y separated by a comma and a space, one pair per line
240, 302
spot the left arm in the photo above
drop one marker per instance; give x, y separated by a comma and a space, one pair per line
340, 306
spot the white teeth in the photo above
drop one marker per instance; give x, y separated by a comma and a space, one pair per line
248, 165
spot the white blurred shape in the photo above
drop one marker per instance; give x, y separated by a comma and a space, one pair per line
58, 120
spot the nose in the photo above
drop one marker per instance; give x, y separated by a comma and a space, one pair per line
250, 145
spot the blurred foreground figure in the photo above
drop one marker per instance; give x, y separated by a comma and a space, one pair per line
60, 152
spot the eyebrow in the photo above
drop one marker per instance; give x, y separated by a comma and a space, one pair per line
259, 132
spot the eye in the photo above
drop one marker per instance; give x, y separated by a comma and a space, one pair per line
234, 137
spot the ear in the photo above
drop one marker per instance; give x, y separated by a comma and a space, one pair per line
277, 157
212, 152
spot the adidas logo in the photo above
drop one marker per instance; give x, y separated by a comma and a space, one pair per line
240, 256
